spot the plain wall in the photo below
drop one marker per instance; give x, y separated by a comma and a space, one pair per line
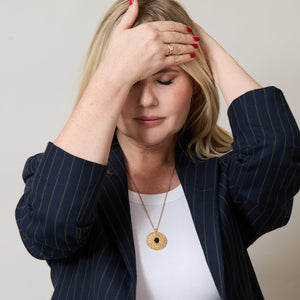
43, 44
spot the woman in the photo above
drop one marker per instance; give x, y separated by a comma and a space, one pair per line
141, 195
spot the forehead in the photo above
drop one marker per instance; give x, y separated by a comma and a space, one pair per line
172, 69
167, 70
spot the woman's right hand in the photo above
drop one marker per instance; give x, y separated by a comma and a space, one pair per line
136, 53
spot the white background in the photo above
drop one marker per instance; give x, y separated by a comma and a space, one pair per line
43, 44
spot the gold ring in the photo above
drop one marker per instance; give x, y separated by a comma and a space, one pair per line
171, 49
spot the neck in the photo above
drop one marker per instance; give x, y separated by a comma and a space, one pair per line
139, 157
150, 167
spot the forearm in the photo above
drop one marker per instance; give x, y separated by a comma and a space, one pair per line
89, 131
56, 213
231, 78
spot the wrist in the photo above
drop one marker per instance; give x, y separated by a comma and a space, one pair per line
105, 90
112, 77
212, 50
215, 59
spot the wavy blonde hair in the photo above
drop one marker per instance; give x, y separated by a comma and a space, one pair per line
200, 135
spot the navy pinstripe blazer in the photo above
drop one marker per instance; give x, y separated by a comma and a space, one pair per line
75, 214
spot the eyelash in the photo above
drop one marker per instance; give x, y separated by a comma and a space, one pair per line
159, 81
165, 82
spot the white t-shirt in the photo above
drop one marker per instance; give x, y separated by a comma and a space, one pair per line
179, 271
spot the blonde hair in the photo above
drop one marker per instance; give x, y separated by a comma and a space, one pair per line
200, 136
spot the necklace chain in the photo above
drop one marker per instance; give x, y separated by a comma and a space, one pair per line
155, 229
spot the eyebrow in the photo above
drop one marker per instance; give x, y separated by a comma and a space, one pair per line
166, 71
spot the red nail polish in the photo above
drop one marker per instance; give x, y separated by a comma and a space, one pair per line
196, 38
131, 2
189, 29
192, 55
195, 46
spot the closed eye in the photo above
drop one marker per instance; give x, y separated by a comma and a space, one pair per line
165, 82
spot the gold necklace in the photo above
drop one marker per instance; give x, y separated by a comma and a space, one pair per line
155, 240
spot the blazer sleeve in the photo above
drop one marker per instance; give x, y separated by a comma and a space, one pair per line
56, 213
263, 170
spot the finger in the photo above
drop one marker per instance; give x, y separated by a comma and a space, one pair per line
178, 49
179, 59
179, 38
130, 16
165, 26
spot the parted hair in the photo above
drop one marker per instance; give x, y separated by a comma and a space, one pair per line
200, 136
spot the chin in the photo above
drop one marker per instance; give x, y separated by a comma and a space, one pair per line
153, 139
149, 137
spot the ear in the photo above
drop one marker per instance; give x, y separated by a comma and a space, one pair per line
196, 87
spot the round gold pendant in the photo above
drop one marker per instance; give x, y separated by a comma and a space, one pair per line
156, 240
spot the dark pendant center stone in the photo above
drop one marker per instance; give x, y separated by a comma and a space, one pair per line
156, 240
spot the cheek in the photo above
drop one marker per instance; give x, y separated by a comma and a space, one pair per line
180, 113
182, 102
126, 111
183, 111
127, 107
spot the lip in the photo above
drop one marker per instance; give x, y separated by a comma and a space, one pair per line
149, 120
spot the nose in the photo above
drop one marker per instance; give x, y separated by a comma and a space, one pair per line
147, 97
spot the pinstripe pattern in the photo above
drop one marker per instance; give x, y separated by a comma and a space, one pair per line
75, 214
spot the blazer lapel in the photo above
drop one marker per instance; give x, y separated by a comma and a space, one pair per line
116, 207
199, 181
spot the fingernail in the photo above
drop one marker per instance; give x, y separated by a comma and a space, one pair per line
196, 38
131, 2
195, 46
189, 29
192, 55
